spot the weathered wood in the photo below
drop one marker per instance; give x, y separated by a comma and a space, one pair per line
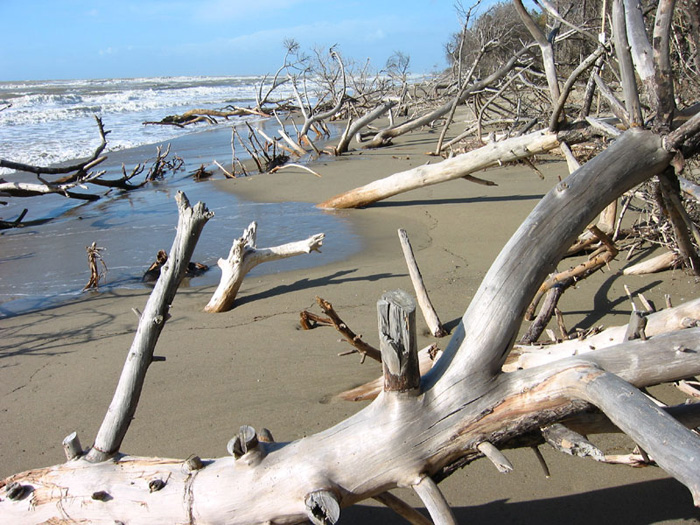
465, 399
493, 317
674, 448
636, 327
678, 217
438, 508
322, 508
121, 411
370, 390
426, 305
403, 509
671, 319
622, 51
655, 264
496, 457
569, 442
359, 345
567, 278
72, 447
450, 169
546, 312
354, 127
397, 342
244, 256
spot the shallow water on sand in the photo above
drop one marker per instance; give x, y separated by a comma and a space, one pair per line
44, 264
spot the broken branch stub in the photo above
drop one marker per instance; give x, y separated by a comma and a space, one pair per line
397, 342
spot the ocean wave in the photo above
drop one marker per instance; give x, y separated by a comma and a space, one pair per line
49, 122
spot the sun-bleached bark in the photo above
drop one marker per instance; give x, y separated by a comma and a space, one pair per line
244, 256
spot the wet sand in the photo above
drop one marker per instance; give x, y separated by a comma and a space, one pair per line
254, 365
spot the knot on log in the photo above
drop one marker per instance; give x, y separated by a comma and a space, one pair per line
194, 463
16, 491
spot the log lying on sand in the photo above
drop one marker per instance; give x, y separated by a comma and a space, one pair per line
454, 168
244, 256
683, 316
655, 264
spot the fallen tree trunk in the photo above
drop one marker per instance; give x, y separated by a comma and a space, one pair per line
683, 316
415, 437
454, 168
244, 256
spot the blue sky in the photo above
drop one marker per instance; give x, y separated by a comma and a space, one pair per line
67, 39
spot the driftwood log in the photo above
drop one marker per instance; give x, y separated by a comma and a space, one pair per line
244, 256
413, 437
450, 169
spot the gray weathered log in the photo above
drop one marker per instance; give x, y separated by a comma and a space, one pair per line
121, 411
674, 448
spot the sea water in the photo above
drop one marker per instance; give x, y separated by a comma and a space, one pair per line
50, 122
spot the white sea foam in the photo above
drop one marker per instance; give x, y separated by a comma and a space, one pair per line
52, 121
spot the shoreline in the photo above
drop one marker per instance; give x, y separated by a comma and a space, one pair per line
254, 365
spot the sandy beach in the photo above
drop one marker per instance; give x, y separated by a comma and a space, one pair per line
254, 365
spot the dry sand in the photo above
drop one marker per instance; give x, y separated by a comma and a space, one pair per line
254, 365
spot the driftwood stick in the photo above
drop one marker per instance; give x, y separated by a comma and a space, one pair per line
496, 457
568, 277
569, 442
438, 508
397, 342
351, 337
546, 312
426, 306
679, 220
322, 507
126, 397
402, 508
72, 447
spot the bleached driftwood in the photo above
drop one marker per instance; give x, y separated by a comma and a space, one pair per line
426, 305
453, 168
121, 411
244, 256
414, 438
655, 264
370, 390
680, 317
